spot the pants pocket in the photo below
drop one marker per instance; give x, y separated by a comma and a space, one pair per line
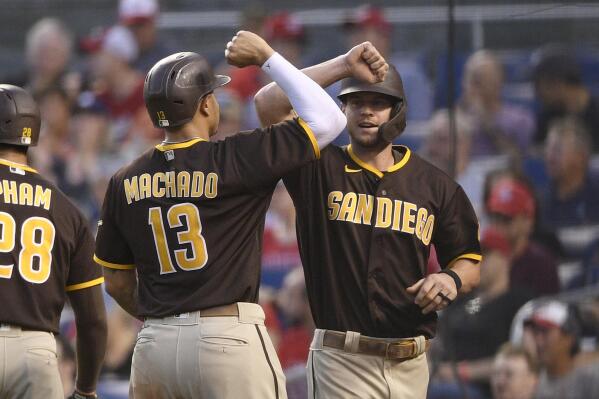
224, 340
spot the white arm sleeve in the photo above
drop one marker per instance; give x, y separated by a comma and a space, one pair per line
309, 100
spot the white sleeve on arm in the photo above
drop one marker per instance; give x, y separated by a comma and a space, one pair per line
310, 101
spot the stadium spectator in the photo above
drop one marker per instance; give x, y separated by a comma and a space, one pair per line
512, 210
515, 373
231, 114
468, 173
472, 329
560, 90
57, 154
571, 197
501, 128
119, 90
48, 50
140, 17
279, 251
556, 331
295, 342
368, 23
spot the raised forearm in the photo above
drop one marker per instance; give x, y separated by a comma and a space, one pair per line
272, 103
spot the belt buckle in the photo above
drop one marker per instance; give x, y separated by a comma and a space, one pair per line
5, 327
182, 316
395, 354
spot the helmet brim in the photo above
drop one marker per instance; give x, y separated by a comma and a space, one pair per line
221, 80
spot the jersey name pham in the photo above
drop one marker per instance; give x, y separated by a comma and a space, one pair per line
397, 215
172, 184
15, 193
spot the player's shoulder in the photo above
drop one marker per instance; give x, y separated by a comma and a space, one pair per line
422, 168
137, 166
61, 206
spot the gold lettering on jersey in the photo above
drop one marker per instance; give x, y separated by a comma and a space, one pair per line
383, 212
12, 192
364, 209
9, 188
427, 233
131, 189
409, 217
145, 186
183, 183
170, 185
420, 221
25, 194
211, 183
333, 203
348, 207
397, 215
197, 184
157, 190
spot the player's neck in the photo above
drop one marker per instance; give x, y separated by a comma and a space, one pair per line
193, 129
380, 158
13, 156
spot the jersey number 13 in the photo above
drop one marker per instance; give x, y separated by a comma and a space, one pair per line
179, 215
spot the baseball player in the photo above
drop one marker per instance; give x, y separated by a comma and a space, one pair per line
367, 215
181, 228
46, 251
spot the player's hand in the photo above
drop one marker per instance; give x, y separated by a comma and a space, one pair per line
364, 62
79, 395
433, 293
247, 48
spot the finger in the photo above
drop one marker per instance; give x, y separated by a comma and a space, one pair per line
228, 46
377, 64
227, 53
435, 304
413, 289
427, 286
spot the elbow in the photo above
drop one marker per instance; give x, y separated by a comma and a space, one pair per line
340, 121
115, 284
259, 99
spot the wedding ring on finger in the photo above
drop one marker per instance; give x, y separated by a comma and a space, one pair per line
444, 297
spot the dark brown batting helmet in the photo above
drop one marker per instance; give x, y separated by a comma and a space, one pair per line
392, 87
175, 85
19, 117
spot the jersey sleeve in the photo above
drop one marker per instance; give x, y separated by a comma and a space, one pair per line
263, 156
456, 235
112, 250
83, 271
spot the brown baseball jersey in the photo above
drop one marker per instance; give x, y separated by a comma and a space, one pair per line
365, 236
46, 249
189, 217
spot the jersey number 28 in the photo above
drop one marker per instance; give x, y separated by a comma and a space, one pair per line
37, 241
192, 235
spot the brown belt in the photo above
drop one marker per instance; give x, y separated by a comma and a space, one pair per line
221, 311
401, 349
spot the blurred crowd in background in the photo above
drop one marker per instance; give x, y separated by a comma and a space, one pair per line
529, 164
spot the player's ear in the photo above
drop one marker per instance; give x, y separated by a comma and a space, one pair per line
204, 106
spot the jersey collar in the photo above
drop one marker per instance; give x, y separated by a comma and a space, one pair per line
174, 146
380, 174
17, 165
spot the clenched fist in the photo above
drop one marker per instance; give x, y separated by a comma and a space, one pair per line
364, 62
247, 48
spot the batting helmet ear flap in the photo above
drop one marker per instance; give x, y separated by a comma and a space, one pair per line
396, 124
